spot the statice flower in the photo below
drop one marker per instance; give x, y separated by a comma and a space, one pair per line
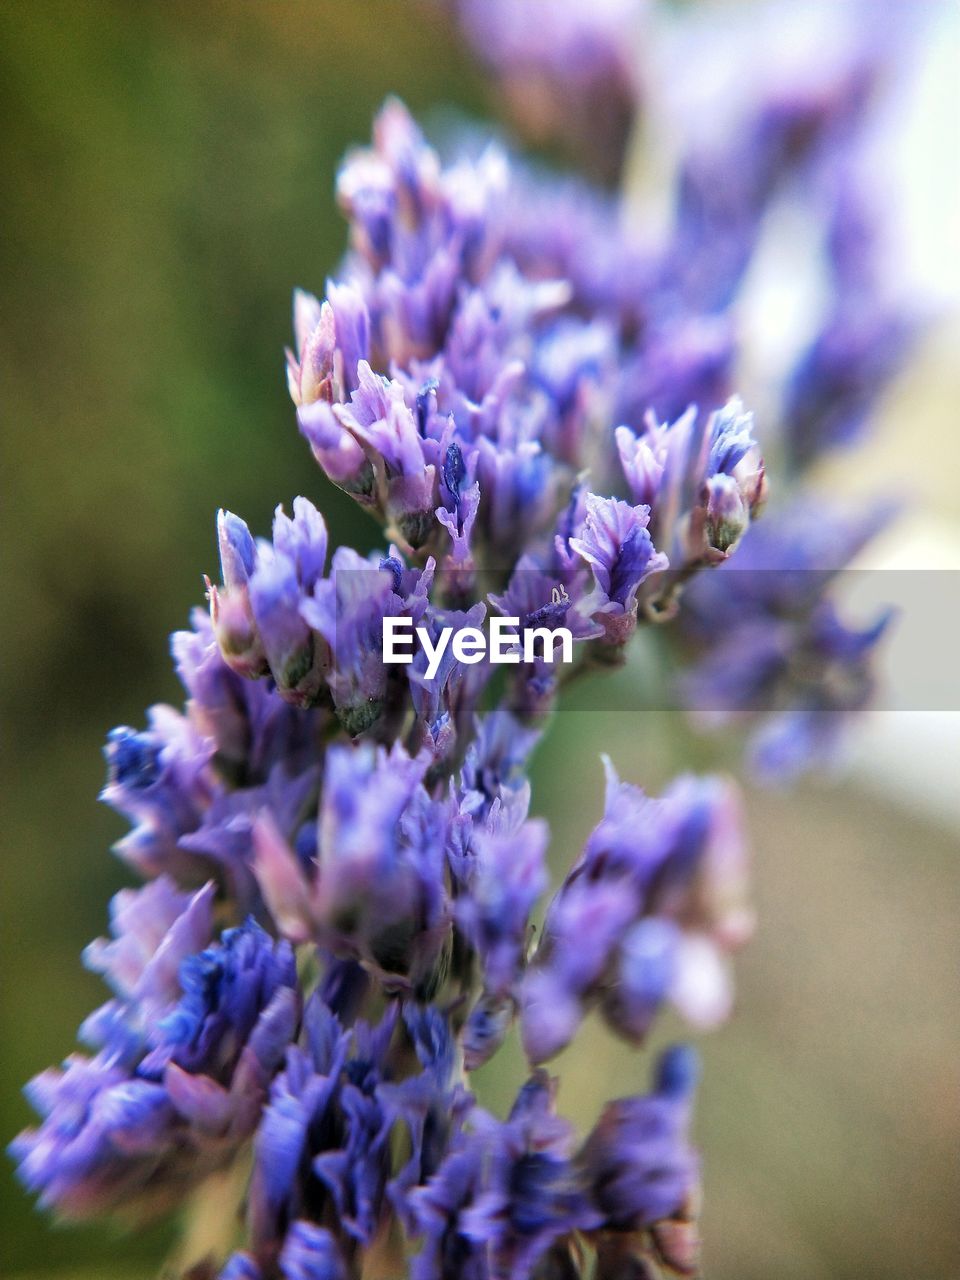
527, 382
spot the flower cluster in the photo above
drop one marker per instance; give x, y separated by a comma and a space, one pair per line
340, 917
374, 892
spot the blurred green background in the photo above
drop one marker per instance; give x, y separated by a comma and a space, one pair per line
168, 179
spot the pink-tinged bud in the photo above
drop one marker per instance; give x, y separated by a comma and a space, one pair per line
230, 610
336, 450
306, 316
315, 371
701, 987
331, 339
282, 882
199, 1099
236, 631
723, 905
752, 478
677, 1241
352, 330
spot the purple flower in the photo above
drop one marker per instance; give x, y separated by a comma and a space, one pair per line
734, 485
285, 637
310, 371
301, 1104
531, 1194
509, 876
682, 362
438, 1208
771, 645
337, 451
230, 609
376, 891
192, 783
810, 733
493, 773
347, 611
505, 1192
185, 1054
263, 585
368, 822
546, 592
155, 929
454, 689
550, 591
840, 376
385, 428
223, 841
252, 727
224, 990
702, 484
564, 228
616, 543
430, 1106
162, 780
647, 913
782, 110
458, 515
323, 1149
417, 230
311, 1253
382, 840
355, 1169
637, 1160
586, 922
332, 338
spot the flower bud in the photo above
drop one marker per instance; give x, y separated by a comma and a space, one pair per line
310, 377
287, 641
727, 515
